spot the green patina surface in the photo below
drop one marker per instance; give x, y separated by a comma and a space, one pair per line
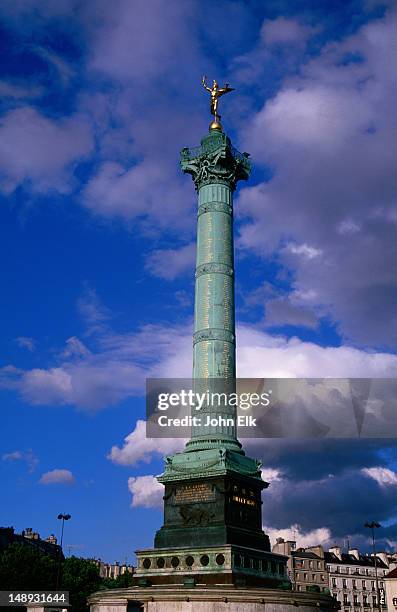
215, 167
212, 489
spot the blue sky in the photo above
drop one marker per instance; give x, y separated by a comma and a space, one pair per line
98, 228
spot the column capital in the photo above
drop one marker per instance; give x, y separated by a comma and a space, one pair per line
215, 161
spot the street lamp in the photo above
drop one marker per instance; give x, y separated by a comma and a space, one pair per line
63, 518
372, 526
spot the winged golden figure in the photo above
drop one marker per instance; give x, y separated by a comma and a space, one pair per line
216, 92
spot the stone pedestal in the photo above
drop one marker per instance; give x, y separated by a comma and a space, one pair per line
177, 598
208, 566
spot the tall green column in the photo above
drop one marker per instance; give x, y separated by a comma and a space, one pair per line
212, 489
215, 167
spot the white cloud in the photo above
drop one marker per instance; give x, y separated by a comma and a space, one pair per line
348, 226
336, 116
57, 476
383, 476
118, 366
137, 447
27, 456
151, 181
158, 30
146, 491
62, 68
93, 312
40, 150
321, 535
271, 474
75, 348
285, 31
171, 263
25, 342
261, 355
303, 249
52, 386
14, 90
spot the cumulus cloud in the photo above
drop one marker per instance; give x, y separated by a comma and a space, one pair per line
158, 30
57, 476
335, 208
146, 491
330, 506
109, 193
116, 367
40, 150
383, 476
137, 447
270, 474
314, 537
171, 263
340, 503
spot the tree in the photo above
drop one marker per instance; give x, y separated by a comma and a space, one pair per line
26, 568
121, 582
81, 578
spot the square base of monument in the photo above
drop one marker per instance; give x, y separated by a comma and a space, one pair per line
177, 598
227, 564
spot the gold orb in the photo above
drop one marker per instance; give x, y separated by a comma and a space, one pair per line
215, 125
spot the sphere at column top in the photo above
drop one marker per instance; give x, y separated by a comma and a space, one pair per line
215, 125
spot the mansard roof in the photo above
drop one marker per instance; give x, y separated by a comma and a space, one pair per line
305, 555
362, 561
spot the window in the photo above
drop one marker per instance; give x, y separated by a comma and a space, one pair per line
344, 583
334, 583
354, 582
304, 576
365, 600
374, 600
355, 599
319, 564
322, 577
373, 585
364, 585
311, 564
345, 598
314, 577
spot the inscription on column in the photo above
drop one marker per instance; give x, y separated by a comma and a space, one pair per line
195, 492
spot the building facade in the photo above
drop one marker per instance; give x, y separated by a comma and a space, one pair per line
28, 537
391, 590
306, 566
112, 570
352, 578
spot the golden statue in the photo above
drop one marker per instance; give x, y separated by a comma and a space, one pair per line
216, 92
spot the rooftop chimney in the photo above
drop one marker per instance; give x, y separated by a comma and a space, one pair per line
336, 551
354, 552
